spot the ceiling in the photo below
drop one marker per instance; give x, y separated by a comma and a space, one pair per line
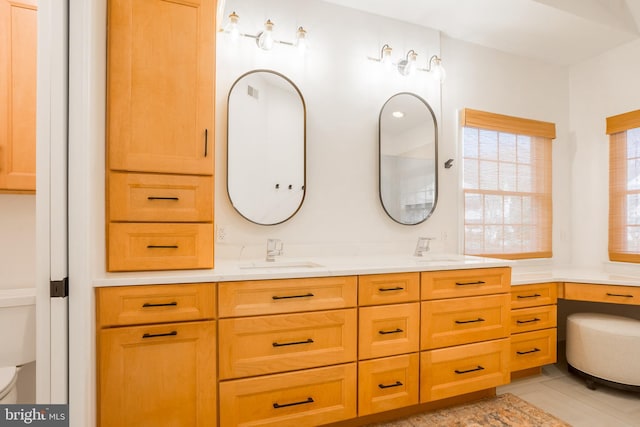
562, 32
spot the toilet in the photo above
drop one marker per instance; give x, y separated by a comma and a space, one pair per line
18, 338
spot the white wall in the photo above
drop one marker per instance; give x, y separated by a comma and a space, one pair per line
18, 237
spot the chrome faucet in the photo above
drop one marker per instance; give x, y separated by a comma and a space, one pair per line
422, 246
274, 249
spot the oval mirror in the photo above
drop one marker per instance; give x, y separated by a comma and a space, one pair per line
266, 142
408, 154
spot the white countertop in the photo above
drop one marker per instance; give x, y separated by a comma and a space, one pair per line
286, 268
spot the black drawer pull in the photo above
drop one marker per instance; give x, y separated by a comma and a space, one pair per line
206, 142
479, 319
168, 334
396, 384
164, 304
162, 246
619, 295
479, 282
277, 344
276, 297
286, 405
397, 288
395, 331
528, 296
479, 368
535, 350
535, 319
162, 198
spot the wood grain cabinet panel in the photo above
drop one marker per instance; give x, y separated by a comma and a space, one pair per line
278, 343
461, 283
388, 383
602, 293
530, 319
523, 296
18, 46
533, 349
376, 289
306, 398
388, 330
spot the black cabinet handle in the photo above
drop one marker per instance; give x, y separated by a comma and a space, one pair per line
528, 296
206, 142
285, 405
479, 319
479, 368
619, 295
275, 297
396, 384
163, 198
162, 246
397, 288
395, 331
535, 350
168, 334
535, 319
479, 282
277, 344
164, 304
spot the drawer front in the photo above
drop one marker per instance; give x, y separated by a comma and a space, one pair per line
389, 329
463, 369
533, 349
137, 305
602, 293
160, 198
286, 296
531, 319
464, 320
307, 398
389, 383
154, 246
278, 343
461, 283
523, 296
379, 289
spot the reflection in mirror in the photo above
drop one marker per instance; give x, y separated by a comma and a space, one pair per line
266, 147
408, 148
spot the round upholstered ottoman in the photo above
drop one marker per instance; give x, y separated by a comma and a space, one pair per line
604, 348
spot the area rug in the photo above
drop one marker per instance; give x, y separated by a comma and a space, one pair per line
504, 410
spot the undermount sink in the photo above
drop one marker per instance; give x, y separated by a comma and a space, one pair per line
279, 264
439, 258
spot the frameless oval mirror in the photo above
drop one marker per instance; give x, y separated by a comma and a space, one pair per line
408, 154
266, 141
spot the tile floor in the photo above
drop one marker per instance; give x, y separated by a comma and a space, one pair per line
566, 396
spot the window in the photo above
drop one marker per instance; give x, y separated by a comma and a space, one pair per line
507, 185
624, 186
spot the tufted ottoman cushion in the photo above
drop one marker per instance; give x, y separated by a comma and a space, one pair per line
604, 347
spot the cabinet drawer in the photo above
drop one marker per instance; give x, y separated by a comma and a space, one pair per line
160, 198
378, 289
287, 342
389, 383
531, 319
389, 329
136, 305
602, 293
533, 349
533, 295
463, 369
154, 246
461, 283
464, 320
286, 295
307, 398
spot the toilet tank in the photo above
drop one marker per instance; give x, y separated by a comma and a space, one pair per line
17, 326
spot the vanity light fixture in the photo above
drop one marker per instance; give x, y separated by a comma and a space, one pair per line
408, 65
264, 39
435, 67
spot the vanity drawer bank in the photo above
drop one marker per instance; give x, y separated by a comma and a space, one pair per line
156, 355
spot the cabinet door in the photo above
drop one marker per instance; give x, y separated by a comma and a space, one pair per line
161, 85
18, 38
157, 375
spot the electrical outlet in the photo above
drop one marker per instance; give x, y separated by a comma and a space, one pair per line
221, 233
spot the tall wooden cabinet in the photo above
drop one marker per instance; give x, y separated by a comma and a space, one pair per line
160, 134
18, 40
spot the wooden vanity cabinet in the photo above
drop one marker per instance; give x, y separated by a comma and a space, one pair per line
156, 355
160, 134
